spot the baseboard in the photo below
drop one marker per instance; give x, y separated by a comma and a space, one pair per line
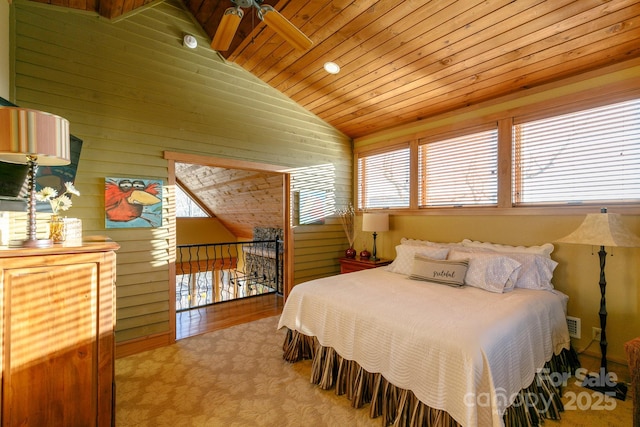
127, 348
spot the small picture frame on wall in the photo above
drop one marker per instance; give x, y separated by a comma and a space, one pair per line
132, 203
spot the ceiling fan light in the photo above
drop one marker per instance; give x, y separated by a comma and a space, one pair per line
227, 28
284, 28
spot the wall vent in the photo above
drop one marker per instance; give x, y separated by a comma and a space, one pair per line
574, 325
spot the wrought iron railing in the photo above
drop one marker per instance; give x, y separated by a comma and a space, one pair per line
212, 273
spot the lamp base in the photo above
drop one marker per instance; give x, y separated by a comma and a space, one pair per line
31, 243
605, 385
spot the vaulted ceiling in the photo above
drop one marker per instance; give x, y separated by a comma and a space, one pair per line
401, 61
404, 61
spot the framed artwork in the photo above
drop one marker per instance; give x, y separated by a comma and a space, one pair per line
132, 203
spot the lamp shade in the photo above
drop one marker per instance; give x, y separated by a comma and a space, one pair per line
375, 222
602, 229
25, 132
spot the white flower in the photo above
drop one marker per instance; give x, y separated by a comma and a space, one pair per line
46, 194
58, 203
63, 203
71, 189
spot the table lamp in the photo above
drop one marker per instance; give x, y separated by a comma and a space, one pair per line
375, 222
603, 229
33, 137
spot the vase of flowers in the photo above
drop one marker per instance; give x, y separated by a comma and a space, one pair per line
62, 202
347, 216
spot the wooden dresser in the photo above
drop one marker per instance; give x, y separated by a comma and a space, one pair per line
57, 337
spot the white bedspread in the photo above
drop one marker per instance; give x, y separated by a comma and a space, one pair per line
463, 350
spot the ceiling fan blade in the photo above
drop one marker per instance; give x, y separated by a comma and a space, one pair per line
284, 28
227, 28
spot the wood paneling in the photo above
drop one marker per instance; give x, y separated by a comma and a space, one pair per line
131, 91
318, 249
410, 60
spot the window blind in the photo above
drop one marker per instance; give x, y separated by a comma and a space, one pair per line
587, 156
383, 179
459, 171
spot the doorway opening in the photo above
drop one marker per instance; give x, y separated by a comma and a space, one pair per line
241, 196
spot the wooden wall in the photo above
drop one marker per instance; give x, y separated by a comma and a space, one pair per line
4, 50
131, 91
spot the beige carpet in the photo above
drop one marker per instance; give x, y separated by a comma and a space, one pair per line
236, 377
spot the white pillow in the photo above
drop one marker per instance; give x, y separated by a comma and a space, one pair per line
443, 271
536, 271
487, 271
544, 249
405, 254
416, 242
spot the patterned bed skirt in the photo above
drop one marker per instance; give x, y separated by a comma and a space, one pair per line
400, 407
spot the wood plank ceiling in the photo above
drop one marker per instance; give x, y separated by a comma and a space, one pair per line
240, 199
404, 61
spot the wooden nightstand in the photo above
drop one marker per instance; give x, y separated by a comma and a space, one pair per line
347, 265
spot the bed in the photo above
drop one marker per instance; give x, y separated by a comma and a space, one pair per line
424, 346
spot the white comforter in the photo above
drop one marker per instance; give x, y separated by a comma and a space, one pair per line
463, 350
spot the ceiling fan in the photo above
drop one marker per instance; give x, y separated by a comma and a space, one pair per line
271, 17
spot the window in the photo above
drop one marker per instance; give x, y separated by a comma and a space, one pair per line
554, 158
587, 156
186, 207
460, 171
383, 179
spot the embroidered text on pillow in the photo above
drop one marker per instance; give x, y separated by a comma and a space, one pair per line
445, 272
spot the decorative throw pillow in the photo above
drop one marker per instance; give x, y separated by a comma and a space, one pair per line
445, 272
491, 272
403, 262
544, 249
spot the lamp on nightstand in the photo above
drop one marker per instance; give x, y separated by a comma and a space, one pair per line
603, 229
375, 222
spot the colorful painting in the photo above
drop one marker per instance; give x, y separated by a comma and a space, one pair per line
132, 202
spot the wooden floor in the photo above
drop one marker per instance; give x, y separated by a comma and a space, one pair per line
226, 314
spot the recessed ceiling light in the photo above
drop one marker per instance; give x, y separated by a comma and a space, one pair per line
331, 67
